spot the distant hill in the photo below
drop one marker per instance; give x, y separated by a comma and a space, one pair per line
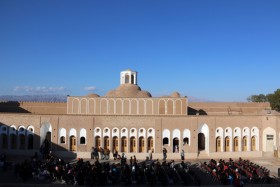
34, 98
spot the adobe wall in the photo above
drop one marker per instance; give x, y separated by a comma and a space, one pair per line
228, 108
159, 123
34, 107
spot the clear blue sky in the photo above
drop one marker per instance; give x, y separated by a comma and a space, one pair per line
220, 50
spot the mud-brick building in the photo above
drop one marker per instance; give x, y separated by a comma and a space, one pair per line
130, 120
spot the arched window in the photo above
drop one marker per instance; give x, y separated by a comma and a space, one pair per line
82, 140
126, 78
165, 141
62, 139
186, 141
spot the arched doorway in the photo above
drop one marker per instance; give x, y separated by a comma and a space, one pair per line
150, 144
253, 143
244, 143
97, 142
106, 142
132, 144
141, 144
46, 134
49, 136
227, 141
72, 141
236, 144
218, 144
175, 145
115, 143
201, 142
124, 145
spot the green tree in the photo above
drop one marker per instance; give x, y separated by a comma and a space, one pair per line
274, 100
258, 98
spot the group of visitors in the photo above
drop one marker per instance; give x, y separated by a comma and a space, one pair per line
100, 153
236, 173
164, 152
125, 171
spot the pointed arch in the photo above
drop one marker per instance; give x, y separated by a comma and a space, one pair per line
119, 106
203, 137
269, 139
186, 137
256, 134
149, 107
161, 106
178, 106
141, 107
104, 106
237, 139
83, 136
246, 139
228, 139
111, 106
84, 106
62, 136
126, 106
134, 107
46, 132
72, 139
75, 106
92, 106
166, 137
170, 107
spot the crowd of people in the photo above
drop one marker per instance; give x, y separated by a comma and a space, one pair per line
126, 171
237, 172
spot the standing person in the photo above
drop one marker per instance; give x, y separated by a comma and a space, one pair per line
164, 153
182, 155
150, 154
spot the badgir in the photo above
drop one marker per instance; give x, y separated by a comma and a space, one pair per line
128, 119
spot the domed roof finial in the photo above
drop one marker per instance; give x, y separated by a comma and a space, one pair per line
128, 77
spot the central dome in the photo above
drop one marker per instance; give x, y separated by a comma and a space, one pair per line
128, 90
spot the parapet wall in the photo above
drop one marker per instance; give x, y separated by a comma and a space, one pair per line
34, 107
227, 108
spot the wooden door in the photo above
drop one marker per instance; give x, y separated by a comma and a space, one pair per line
124, 145
141, 144
115, 144
132, 144
244, 144
73, 146
236, 144
106, 143
227, 147
150, 144
218, 144
253, 143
